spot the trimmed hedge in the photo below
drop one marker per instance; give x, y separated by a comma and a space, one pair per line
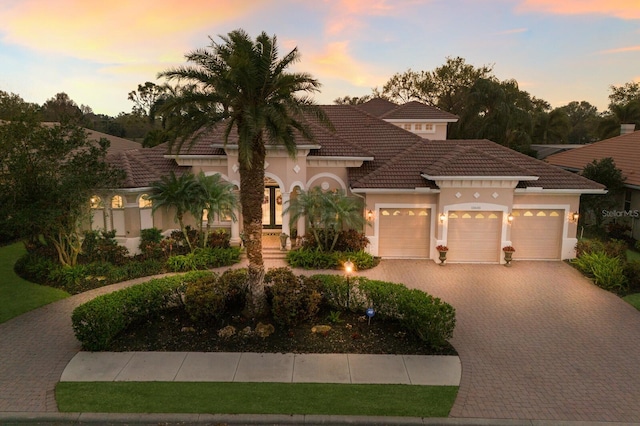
293, 298
204, 258
315, 259
97, 322
428, 317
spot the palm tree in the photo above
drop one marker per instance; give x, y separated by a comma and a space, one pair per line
328, 213
243, 86
214, 196
175, 192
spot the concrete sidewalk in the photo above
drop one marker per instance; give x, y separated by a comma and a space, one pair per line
261, 367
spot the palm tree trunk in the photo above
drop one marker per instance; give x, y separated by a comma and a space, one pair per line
251, 196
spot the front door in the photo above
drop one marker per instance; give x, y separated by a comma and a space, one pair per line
272, 208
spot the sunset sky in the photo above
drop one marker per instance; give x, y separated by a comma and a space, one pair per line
98, 51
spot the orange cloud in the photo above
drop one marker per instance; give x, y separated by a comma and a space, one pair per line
622, 50
624, 9
121, 31
335, 62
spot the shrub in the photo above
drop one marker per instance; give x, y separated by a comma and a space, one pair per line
616, 248
69, 278
588, 246
102, 247
632, 272
151, 246
211, 296
34, 267
619, 231
606, 271
429, 318
314, 259
97, 322
293, 299
219, 239
348, 240
206, 258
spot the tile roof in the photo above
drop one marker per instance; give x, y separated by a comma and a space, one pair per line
625, 151
377, 106
400, 158
415, 110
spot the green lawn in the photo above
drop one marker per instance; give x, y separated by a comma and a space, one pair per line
18, 296
633, 300
256, 398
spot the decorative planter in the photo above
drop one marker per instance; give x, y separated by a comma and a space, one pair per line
508, 257
283, 241
443, 257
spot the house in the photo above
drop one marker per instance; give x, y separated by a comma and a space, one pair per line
625, 151
420, 189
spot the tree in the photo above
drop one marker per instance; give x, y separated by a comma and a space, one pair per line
626, 113
12, 106
584, 120
175, 192
352, 100
213, 197
603, 171
328, 213
145, 97
624, 94
47, 176
61, 108
243, 86
551, 127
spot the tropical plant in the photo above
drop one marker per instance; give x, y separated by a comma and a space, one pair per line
327, 213
213, 197
242, 85
603, 171
175, 192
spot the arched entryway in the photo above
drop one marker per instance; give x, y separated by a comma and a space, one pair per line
272, 205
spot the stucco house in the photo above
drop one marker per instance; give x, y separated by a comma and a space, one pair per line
625, 151
420, 189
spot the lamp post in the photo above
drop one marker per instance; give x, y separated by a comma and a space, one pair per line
348, 269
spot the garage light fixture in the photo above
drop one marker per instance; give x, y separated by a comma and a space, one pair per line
574, 216
442, 217
369, 215
510, 217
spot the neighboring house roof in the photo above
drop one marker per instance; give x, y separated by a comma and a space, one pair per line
377, 106
543, 151
625, 151
116, 144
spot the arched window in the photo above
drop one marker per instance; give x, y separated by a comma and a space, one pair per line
96, 202
144, 202
117, 202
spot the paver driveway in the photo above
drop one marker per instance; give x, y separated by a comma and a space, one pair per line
536, 341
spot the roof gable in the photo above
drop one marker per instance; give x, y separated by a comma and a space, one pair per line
415, 110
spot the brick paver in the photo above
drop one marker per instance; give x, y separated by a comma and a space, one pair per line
536, 341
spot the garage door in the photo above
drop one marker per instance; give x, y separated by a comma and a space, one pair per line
474, 236
404, 232
537, 234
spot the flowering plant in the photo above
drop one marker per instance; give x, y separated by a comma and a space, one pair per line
442, 248
508, 248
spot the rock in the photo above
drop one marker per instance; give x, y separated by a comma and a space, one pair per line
227, 332
245, 332
264, 330
188, 330
321, 329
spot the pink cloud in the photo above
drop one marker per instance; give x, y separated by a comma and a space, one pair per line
622, 50
334, 61
624, 9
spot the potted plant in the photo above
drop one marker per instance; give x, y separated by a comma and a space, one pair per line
508, 254
443, 253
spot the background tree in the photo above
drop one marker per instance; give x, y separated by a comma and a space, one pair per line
352, 100
551, 127
145, 97
584, 121
603, 171
61, 108
242, 85
47, 176
12, 106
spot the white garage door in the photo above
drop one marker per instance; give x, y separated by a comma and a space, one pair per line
474, 236
404, 232
537, 234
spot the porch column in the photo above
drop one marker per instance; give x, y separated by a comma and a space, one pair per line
235, 233
285, 217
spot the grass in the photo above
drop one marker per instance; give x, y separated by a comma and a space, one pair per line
633, 300
256, 398
18, 296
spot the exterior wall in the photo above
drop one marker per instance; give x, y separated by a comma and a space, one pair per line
427, 130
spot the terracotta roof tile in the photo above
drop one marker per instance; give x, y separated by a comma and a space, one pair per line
625, 151
415, 110
377, 106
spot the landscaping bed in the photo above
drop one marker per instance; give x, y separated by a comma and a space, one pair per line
174, 330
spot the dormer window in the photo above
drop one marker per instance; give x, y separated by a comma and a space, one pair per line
418, 127
407, 127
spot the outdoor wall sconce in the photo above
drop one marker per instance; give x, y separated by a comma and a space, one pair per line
442, 217
369, 215
574, 216
510, 218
